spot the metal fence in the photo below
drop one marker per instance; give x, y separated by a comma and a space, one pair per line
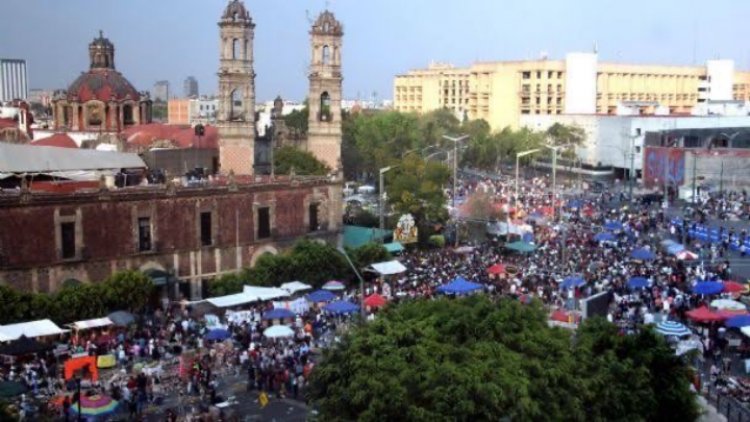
731, 408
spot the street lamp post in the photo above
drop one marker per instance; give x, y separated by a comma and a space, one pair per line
554, 176
381, 193
455, 141
518, 156
361, 283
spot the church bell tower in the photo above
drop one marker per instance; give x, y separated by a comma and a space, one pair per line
236, 114
324, 131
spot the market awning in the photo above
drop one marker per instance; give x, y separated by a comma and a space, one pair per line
23, 346
91, 323
229, 301
295, 286
30, 329
389, 267
394, 247
264, 293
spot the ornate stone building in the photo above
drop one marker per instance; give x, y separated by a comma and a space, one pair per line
324, 132
236, 114
100, 100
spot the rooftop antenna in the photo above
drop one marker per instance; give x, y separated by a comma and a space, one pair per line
596, 47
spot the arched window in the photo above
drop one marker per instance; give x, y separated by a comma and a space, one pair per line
325, 107
245, 50
127, 114
235, 49
326, 55
235, 108
235, 16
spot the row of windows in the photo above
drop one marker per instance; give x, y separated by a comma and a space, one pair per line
650, 76
538, 100
526, 88
551, 74
539, 111
646, 97
69, 246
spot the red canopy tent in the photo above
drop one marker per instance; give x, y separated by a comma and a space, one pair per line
496, 269
375, 301
734, 287
703, 314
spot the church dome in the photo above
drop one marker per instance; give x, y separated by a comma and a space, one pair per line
103, 85
236, 11
326, 24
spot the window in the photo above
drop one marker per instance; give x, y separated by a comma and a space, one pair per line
526, 75
68, 238
264, 223
559, 75
236, 109
313, 214
538, 74
550, 74
144, 234
235, 49
326, 55
325, 107
206, 237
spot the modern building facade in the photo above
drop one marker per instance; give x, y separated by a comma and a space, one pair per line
190, 87
14, 84
502, 92
191, 111
161, 91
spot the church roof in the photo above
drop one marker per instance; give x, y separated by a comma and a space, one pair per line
103, 85
326, 24
181, 136
236, 10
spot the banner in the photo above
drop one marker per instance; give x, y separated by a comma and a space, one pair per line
406, 230
298, 306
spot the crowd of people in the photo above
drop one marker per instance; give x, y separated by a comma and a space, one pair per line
152, 372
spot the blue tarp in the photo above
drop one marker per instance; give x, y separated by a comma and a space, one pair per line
573, 281
708, 287
612, 226
643, 255
321, 296
278, 313
605, 237
341, 307
575, 203
738, 321
459, 286
638, 283
218, 334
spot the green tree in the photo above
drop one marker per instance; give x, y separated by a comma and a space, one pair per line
226, 285
566, 135
381, 138
129, 290
473, 359
303, 162
368, 254
417, 187
297, 122
15, 305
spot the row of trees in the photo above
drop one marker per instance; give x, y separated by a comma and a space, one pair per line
308, 261
128, 290
473, 359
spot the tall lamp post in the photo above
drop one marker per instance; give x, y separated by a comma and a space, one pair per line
554, 175
361, 283
381, 194
518, 157
455, 141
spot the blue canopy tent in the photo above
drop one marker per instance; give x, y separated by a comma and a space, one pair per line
572, 281
341, 307
278, 313
643, 255
708, 287
672, 328
738, 321
394, 247
459, 286
612, 226
218, 334
321, 296
637, 283
575, 203
605, 237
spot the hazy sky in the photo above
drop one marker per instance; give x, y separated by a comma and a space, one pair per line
171, 39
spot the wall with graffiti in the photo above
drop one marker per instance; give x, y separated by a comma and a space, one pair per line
661, 162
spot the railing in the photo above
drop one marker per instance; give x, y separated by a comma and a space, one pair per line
731, 408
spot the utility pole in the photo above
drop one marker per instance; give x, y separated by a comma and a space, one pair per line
632, 168
695, 190
721, 179
554, 183
455, 141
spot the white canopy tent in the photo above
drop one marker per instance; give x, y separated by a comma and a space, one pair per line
30, 329
231, 300
91, 323
264, 293
389, 267
295, 286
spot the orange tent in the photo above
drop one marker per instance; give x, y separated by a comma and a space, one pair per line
86, 364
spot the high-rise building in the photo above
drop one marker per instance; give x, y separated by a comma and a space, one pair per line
324, 132
501, 92
236, 114
161, 91
190, 87
13, 80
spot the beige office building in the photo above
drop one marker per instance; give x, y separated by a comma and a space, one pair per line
501, 92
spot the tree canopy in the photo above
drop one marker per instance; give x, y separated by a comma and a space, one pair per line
303, 162
472, 359
417, 187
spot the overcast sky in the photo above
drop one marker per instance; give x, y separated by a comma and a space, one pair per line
171, 39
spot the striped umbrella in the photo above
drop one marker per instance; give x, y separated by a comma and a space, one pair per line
96, 406
334, 285
672, 328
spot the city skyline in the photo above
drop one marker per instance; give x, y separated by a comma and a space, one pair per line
53, 36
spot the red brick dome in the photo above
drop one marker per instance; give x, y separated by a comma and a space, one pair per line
103, 85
